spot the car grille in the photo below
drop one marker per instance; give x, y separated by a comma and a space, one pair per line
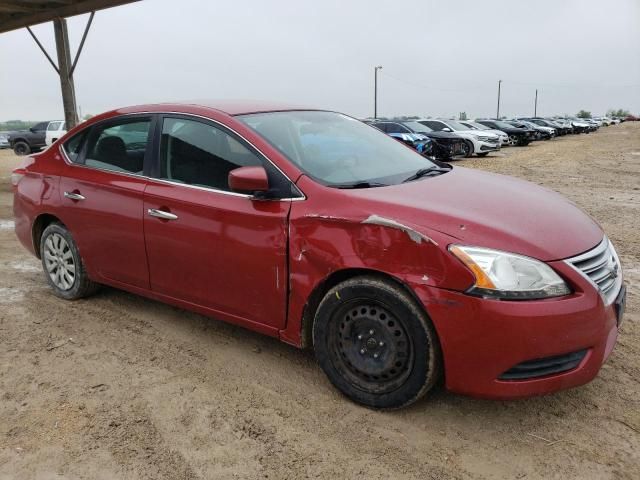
542, 367
601, 267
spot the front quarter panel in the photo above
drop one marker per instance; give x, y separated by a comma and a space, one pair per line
329, 234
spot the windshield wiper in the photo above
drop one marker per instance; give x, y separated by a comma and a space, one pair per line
423, 172
360, 185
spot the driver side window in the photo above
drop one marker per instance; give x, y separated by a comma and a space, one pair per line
200, 154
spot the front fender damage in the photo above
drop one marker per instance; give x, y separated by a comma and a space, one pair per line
322, 245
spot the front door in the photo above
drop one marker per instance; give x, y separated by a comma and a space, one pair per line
207, 245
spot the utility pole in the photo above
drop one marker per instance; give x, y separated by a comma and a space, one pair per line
375, 90
498, 112
535, 105
66, 78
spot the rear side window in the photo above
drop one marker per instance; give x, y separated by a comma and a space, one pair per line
119, 147
73, 145
200, 154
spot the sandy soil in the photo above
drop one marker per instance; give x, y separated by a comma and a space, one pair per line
116, 386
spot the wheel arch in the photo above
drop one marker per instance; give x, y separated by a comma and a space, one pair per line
41, 222
333, 279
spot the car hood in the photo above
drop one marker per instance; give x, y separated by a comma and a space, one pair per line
500, 133
489, 210
474, 134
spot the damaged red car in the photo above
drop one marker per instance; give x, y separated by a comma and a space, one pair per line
315, 228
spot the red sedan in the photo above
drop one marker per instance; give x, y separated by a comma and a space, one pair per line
315, 228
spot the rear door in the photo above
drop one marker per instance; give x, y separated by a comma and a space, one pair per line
207, 245
102, 185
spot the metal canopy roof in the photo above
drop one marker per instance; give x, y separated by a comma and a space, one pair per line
16, 14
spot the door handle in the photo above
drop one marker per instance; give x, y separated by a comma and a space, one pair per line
73, 196
162, 214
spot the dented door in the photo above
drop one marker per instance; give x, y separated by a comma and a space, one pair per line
220, 251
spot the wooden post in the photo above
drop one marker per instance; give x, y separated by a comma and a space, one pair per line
64, 66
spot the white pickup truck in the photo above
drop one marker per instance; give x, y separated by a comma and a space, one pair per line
55, 130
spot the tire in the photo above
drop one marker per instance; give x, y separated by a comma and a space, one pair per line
483, 154
59, 253
468, 149
513, 139
21, 148
376, 345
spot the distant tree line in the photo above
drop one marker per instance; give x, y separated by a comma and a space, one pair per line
612, 112
16, 125
617, 113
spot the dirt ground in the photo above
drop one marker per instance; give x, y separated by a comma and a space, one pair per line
117, 386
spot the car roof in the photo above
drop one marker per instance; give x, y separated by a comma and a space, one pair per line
230, 107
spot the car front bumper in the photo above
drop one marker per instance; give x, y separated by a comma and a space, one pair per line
482, 339
482, 146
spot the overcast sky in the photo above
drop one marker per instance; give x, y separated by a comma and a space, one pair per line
439, 57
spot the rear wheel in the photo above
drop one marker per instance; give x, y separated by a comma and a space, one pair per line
62, 264
21, 148
376, 345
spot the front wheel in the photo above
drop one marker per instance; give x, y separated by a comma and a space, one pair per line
467, 149
62, 264
376, 344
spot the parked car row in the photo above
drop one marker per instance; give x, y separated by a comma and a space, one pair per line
446, 139
4, 140
34, 139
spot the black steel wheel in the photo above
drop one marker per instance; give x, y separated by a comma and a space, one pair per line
375, 343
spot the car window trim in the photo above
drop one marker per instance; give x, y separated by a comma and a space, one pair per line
219, 125
155, 152
82, 156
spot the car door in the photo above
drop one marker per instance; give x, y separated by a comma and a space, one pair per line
39, 132
207, 245
102, 185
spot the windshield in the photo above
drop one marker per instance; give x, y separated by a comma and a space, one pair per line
477, 126
337, 150
417, 127
500, 124
455, 125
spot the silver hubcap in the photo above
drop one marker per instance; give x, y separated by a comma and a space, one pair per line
59, 261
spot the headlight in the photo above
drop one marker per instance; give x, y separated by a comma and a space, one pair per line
508, 276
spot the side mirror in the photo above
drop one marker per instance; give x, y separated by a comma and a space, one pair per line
248, 180
446, 129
